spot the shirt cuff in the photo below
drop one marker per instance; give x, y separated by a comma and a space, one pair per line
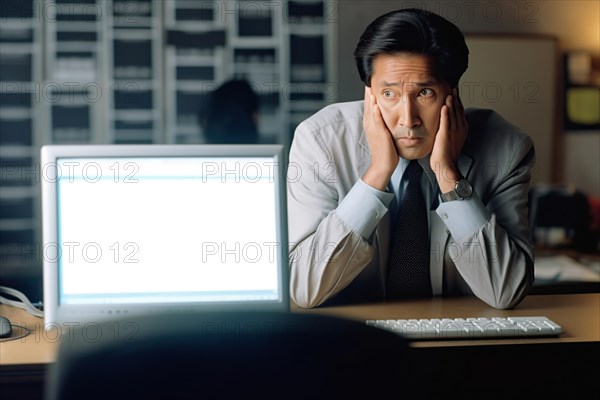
464, 217
363, 207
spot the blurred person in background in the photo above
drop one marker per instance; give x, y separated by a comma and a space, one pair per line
231, 114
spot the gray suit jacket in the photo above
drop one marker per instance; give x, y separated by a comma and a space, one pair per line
329, 261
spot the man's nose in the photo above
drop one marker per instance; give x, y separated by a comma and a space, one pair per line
409, 117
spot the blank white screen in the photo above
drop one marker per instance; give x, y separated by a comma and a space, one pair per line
167, 230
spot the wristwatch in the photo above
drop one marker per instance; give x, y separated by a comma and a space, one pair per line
462, 190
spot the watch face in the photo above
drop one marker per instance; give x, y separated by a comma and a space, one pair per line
464, 189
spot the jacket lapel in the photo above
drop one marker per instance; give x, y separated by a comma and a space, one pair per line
465, 162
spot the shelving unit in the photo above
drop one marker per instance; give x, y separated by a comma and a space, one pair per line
194, 64
283, 48
139, 71
20, 97
312, 67
134, 68
73, 75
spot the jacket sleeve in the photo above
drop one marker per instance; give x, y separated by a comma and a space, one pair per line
325, 253
496, 260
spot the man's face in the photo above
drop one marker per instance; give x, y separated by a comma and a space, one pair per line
410, 99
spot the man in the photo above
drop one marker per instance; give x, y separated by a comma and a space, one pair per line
347, 207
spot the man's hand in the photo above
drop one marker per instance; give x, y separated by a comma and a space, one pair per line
384, 156
449, 142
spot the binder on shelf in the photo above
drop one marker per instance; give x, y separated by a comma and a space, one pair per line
306, 11
19, 208
19, 10
71, 123
307, 58
16, 132
199, 40
16, 67
195, 73
17, 172
253, 24
133, 99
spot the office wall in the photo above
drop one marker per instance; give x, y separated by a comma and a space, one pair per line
575, 24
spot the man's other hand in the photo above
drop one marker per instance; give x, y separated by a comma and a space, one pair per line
449, 142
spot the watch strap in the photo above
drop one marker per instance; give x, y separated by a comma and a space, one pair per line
450, 196
454, 194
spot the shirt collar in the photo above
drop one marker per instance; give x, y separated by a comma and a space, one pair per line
424, 163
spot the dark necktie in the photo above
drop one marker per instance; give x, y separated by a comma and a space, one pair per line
408, 274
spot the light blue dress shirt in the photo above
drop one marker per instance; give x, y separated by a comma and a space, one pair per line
364, 206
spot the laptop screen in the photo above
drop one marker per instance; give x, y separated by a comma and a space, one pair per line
129, 229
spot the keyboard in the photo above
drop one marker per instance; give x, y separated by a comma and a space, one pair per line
470, 328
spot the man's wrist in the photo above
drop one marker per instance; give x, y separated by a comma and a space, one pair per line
377, 179
447, 177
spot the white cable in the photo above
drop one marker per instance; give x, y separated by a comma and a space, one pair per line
24, 304
33, 311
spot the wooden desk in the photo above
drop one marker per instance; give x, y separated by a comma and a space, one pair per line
23, 361
565, 365
578, 314
37, 348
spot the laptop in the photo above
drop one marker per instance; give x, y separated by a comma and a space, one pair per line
136, 229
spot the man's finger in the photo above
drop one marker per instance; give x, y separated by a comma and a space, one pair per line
444, 119
378, 118
367, 108
450, 115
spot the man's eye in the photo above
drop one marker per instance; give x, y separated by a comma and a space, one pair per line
388, 94
426, 92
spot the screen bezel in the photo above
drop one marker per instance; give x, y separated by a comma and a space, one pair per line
56, 313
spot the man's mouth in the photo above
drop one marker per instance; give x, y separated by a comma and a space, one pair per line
410, 140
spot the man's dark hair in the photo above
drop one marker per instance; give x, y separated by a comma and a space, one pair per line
229, 115
414, 31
